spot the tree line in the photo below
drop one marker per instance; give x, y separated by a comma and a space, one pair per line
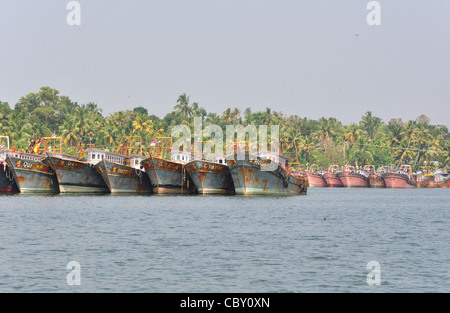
324, 141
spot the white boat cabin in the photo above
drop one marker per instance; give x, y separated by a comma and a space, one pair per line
20, 155
94, 156
182, 156
134, 160
220, 158
276, 157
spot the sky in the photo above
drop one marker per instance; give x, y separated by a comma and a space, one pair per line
312, 58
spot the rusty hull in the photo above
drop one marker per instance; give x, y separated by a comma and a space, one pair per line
249, 179
167, 177
76, 176
32, 176
434, 184
123, 179
376, 181
210, 177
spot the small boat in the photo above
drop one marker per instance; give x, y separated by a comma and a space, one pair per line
167, 176
400, 178
315, 178
375, 176
7, 182
331, 177
353, 178
30, 174
261, 174
211, 177
122, 172
76, 174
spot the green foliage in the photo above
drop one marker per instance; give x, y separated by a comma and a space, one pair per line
324, 141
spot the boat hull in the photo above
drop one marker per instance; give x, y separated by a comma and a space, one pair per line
123, 179
210, 178
315, 179
250, 179
32, 176
376, 181
167, 177
353, 180
76, 176
332, 180
434, 184
393, 180
7, 183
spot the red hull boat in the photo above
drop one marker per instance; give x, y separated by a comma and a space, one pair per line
350, 178
402, 178
315, 178
393, 180
331, 178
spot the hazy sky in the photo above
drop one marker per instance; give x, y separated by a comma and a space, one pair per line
311, 58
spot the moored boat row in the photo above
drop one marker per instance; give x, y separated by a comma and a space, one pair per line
41, 169
368, 177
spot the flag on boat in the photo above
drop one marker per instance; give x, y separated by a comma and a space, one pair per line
54, 135
153, 143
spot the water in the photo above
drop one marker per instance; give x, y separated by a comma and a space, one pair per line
321, 242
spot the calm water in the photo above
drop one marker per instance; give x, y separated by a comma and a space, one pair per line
321, 242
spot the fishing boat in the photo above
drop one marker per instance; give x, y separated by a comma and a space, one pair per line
331, 177
165, 168
7, 183
266, 173
353, 178
76, 174
315, 178
432, 179
121, 170
400, 178
30, 174
211, 177
375, 176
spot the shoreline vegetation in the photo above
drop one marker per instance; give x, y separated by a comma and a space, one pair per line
324, 142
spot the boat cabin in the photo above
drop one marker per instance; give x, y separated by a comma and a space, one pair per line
94, 156
276, 157
20, 155
220, 158
134, 160
182, 156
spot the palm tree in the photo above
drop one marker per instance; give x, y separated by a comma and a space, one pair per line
396, 131
142, 124
69, 132
352, 133
183, 106
370, 124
